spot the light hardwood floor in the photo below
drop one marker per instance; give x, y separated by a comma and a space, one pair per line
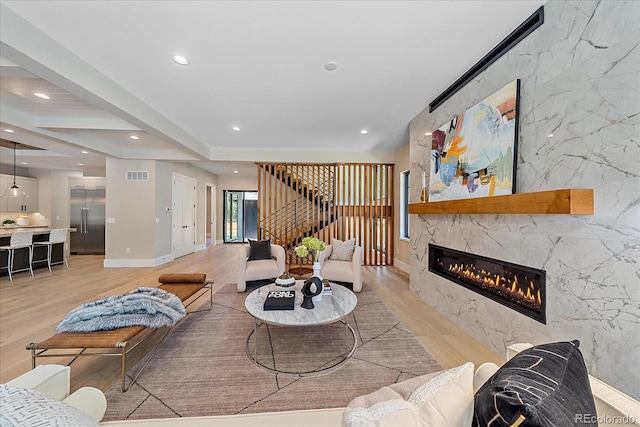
32, 307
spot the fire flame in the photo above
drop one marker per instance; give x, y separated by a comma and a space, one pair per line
497, 281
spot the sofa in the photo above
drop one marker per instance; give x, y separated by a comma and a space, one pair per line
449, 395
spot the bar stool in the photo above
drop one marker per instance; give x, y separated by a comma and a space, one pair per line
57, 235
19, 240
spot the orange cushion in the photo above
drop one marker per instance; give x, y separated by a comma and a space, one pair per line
182, 278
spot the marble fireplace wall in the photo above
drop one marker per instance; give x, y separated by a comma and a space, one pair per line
579, 80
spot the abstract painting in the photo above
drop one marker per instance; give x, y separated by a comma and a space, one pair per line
474, 155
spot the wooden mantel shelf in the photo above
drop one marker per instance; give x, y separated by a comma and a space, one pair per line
571, 201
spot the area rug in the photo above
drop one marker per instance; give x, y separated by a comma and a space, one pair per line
202, 367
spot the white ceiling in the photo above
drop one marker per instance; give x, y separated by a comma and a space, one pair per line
258, 65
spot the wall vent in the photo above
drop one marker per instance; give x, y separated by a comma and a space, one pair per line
137, 175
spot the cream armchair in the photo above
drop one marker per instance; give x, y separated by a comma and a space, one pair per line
259, 269
342, 271
54, 381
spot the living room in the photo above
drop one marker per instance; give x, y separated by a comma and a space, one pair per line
578, 129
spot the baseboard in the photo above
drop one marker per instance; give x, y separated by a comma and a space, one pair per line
402, 265
111, 263
201, 247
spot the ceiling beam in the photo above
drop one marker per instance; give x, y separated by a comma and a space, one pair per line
15, 71
83, 123
25, 45
267, 155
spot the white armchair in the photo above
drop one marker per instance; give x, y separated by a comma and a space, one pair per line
259, 269
342, 271
54, 381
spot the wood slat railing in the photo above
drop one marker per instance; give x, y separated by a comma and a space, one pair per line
338, 200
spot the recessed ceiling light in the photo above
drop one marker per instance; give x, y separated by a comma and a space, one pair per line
235, 129
9, 130
80, 164
331, 65
84, 152
364, 131
235, 171
551, 135
180, 59
41, 95
427, 134
134, 137
24, 163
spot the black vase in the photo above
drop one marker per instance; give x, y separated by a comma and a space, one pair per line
311, 288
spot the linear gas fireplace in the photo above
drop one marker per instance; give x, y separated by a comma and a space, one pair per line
516, 286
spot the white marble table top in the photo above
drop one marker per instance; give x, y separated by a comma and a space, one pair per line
331, 309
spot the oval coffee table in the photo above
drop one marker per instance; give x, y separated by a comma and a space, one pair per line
333, 308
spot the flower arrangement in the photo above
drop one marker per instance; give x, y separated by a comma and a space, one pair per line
311, 245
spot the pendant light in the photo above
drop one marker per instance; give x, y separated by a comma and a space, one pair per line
14, 191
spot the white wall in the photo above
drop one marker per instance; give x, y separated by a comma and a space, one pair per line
130, 205
579, 73
402, 256
142, 223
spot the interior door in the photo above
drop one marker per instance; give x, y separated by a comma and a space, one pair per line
211, 202
189, 216
183, 218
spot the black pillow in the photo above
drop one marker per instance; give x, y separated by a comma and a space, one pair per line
547, 385
259, 249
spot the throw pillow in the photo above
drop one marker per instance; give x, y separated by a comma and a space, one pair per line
259, 249
21, 407
546, 385
443, 399
342, 251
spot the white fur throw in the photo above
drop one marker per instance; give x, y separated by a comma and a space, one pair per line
150, 307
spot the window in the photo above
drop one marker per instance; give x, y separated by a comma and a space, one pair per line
240, 215
405, 186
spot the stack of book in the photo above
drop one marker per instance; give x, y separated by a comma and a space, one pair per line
326, 288
279, 300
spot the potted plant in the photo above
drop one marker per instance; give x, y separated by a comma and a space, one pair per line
8, 222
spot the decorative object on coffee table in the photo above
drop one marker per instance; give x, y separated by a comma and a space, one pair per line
280, 300
311, 288
312, 246
285, 280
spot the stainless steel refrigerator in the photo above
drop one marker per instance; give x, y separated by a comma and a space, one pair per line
88, 218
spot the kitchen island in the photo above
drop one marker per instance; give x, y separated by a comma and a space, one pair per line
40, 234
7, 231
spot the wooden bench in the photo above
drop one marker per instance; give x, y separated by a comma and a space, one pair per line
122, 341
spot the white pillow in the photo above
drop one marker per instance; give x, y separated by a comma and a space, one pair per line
342, 251
444, 400
25, 407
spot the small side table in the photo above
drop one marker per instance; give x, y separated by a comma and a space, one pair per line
300, 271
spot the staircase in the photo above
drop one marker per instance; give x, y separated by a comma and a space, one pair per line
341, 200
306, 214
